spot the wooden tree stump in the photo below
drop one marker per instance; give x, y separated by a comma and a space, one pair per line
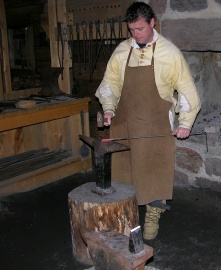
117, 211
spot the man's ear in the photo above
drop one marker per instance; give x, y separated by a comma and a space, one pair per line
152, 22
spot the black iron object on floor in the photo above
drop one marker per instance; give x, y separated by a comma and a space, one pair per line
102, 160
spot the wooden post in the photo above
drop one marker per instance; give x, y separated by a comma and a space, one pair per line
57, 13
117, 211
6, 63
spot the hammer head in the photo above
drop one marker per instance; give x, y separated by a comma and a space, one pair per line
100, 119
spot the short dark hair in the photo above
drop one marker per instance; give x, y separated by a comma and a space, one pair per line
139, 9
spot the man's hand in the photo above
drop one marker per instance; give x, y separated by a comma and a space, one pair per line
182, 133
107, 118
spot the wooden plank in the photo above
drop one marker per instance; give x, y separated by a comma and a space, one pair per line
42, 114
33, 139
48, 134
19, 141
64, 134
31, 46
45, 24
8, 142
86, 124
1, 145
12, 142
1, 76
75, 132
21, 93
44, 176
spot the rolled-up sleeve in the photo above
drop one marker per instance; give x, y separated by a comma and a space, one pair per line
188, 99
114, 77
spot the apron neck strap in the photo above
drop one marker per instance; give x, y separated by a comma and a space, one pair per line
152, 60
128, 58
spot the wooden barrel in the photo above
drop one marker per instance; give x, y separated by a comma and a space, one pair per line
117, 211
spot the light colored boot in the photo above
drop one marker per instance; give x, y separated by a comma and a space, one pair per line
151, 225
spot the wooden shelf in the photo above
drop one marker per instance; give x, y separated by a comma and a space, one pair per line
44, 176
42, 114
56, 126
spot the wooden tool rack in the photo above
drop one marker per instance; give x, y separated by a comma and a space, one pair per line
55, 126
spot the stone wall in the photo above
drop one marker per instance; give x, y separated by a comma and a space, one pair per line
195, 27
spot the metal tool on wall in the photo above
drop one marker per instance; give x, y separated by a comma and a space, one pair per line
85, 41
90, 53
113, 36
71, 44
78, 47
102, 43
60, 41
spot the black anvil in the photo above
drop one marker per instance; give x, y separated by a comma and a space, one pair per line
102, 162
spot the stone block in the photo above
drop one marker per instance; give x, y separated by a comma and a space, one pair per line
189, 34
188, 159
181, 179
212, 129
190, 5
158, 6
213, 166
206, 183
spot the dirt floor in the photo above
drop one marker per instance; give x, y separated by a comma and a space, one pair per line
35, 230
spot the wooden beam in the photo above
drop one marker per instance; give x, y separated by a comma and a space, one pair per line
6, 62
57, 13
45, 24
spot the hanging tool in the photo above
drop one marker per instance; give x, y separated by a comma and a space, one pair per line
97, 24
90, 49
85, 39
78, 47
120, 34
59, 39
64, 31
71, 44
107, 41
112, 34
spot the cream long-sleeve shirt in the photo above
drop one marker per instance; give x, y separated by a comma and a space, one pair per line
171, 73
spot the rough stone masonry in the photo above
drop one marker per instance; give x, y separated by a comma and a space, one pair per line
195, 27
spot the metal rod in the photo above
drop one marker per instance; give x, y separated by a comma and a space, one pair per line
148, 137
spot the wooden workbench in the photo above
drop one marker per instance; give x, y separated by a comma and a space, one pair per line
55, 126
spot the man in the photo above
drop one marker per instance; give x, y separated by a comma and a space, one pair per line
137, 96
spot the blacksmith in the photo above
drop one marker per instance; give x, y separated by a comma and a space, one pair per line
137, 96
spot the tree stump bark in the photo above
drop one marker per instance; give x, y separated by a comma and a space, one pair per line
117, 211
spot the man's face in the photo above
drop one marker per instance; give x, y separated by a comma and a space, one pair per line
141, 31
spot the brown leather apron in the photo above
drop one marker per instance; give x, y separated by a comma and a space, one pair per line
149, 165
